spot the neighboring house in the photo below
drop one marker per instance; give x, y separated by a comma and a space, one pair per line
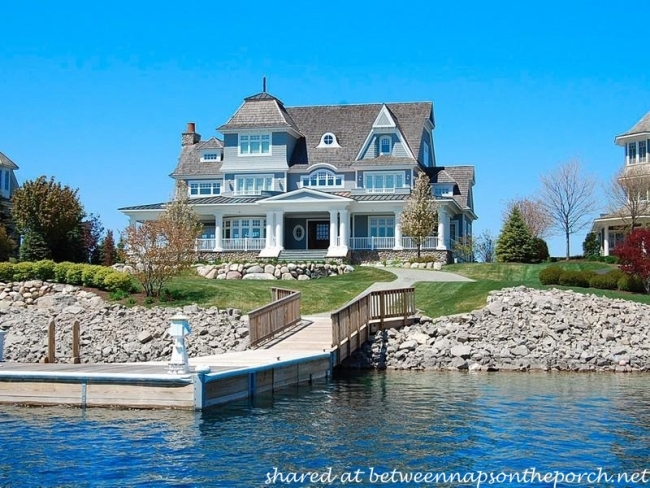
8, 181
611, 228
333, 178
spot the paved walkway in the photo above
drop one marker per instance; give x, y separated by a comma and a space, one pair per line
408, 277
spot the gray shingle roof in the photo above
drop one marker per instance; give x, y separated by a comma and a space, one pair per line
351, 125
190, 164
462, 176
212, 143
199, 201
6, 162
260, 111
642, 126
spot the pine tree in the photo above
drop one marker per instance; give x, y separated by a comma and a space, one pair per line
515, 243
419, 217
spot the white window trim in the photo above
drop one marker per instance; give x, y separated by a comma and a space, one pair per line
426, 154
257, 154
388, 218
198, 184
384, 174
255, 191
446, 190
326, 171
228, 225
323, 144
390, 145
209, 160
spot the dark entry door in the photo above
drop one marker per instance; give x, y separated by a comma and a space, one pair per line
319, 234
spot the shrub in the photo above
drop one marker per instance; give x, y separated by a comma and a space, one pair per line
101, 272
630, 283
550, 275
607, 281
24, 271
118, 295
88, 274
61, 271
6, 271
118, 281
571, 277
610, 259
540, 250
74, 276
44, 269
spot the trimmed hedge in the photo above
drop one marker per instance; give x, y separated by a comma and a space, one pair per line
92, 275
612, 280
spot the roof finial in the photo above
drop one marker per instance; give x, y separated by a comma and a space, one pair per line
264, 84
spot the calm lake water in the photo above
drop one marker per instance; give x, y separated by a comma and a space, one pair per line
356, 428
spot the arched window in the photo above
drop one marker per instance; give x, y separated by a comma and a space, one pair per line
328, 140
385, 144
322, 179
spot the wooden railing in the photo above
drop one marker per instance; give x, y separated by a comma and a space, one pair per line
271, 319
351, 324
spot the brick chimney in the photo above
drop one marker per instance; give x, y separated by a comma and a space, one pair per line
190, 137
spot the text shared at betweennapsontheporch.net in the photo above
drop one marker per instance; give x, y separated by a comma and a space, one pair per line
530, 476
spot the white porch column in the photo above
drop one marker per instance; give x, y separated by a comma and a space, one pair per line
279, 230
218, 232
334, 228
269, 230
343, 228
398, 231
606, 241
443, 229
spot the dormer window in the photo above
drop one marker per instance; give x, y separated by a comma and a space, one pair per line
328, 140
211, 156
385, 145
443, 190
254, 144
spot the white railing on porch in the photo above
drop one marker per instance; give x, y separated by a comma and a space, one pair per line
373, 243
244, 244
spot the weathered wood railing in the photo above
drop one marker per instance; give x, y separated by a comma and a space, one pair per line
271, 319
351, 324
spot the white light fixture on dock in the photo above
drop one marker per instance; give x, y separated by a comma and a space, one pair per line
178, 329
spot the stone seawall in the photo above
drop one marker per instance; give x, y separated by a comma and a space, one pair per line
110, 333
521, 329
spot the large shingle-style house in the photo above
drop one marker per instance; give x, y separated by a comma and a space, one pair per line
333, 178
611, 228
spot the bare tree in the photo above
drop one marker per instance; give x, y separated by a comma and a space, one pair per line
485, 247
533, 213
419, 216
160, 249
628, 195
567, 194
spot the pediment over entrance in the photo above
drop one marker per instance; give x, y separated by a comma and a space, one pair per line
306, 195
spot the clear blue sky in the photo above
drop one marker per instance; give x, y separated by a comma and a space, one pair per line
97, 94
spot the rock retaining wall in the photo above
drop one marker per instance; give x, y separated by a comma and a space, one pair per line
521, 329
109, 332
261, 271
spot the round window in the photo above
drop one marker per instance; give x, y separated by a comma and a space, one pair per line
328, 139
298, 232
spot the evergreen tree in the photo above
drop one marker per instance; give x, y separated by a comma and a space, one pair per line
34, 247
591, 246
7, 244
108, 250
515, 243
419, 217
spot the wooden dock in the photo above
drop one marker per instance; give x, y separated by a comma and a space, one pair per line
303, 354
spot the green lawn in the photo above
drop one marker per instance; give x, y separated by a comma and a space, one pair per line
328, 294
322, 295
437, 299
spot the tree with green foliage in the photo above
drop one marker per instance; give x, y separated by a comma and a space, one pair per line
419, 217
591, 246
515, 243
92, 230
7, 244
49, 217
160, 249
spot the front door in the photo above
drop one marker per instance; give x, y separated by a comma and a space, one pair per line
318, 234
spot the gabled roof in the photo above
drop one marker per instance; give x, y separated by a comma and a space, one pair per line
351, 124
641, 127
189, 161
260, 111
212, 143
462, 176
6, 162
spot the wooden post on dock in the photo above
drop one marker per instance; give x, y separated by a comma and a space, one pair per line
51, 343
76, 359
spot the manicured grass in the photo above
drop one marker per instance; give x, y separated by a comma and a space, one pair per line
322, 295
437, 299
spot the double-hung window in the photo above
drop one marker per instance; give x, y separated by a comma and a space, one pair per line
643, 152
254, 144
204, 188
631, 153
253, 184
382, 226
385, 144
253, 228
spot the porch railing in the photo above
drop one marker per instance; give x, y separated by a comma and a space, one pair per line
245, 244
373, 243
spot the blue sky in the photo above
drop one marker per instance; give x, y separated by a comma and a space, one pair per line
97, 95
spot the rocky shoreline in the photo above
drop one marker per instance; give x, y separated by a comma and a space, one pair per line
520, 329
